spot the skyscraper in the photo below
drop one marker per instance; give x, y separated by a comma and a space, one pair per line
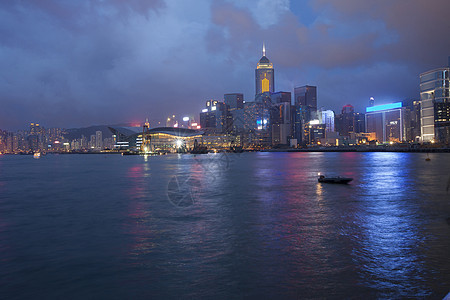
386, 123
98, 140
327, 117
264, 75
234, 101
281, 97
435, 105
306, 96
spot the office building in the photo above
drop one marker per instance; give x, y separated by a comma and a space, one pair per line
214, 116
281, 97
360, 123
280, 120
435, 106
386, 123
306, 96
264, 75
234, 101
327, 117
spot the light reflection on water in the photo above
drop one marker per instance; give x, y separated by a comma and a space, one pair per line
261, 226
389, 240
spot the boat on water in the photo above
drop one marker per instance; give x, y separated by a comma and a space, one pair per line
37, 154
335, 179
199, 149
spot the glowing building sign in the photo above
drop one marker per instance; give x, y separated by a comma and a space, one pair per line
384, 107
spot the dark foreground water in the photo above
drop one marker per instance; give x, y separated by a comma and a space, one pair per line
224, 226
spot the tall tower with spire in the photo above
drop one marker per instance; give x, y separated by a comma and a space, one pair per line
264, 74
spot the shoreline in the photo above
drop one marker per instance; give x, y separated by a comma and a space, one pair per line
331, 149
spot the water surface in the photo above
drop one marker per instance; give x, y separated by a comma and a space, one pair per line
250, 225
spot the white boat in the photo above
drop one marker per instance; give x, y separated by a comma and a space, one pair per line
37, 154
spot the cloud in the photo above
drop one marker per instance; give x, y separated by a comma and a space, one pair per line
77, 63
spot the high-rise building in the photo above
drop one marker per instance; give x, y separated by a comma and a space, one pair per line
98, 140
345, 122
234, 101
360, 123
327, 117
280, 119
281, 97
257, 127
264, 75
299, 117
435, 106
307, 96
214, 116
414, 120
386, 123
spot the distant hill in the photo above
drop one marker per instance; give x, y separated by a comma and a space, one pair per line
76, 133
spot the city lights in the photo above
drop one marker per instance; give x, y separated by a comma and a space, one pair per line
384, 107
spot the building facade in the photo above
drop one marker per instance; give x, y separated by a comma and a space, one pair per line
435, 106
386, 123
306, 96
264, 75
214, 116
327, 117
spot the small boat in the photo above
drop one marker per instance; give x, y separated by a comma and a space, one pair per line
199, 149
428, 157
337, 179
37, 154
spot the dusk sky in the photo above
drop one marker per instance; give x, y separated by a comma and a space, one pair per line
92, 62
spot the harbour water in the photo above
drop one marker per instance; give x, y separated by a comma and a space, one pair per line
224, 226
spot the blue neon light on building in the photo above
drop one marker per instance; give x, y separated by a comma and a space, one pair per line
384, 107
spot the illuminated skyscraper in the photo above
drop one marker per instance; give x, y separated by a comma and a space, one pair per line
327, 117
435, 107
386, 123
264, 75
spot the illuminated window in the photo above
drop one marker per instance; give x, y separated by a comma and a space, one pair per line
265, 85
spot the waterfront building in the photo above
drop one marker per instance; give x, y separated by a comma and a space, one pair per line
264, 75
305, 110
220, 141
386, 123
316, 132
233, 102
435, 106
350, 121
162, 139
360, 122
307, 96
214, 116
327, 117
257, 127
345, 122
280, 120
414, 120
299, 117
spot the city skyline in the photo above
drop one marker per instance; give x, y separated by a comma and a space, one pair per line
74, 66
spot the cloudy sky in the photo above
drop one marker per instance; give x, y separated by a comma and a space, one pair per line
74, 63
